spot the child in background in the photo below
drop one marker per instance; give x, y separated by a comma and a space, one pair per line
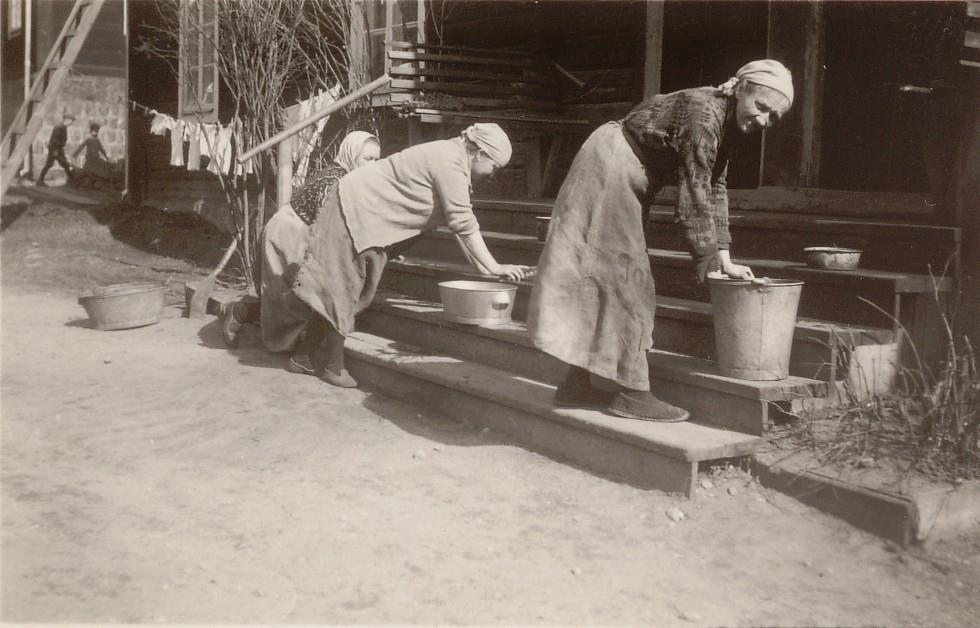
95, 156
56, 148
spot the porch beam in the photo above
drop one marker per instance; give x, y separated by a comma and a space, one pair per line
654, 39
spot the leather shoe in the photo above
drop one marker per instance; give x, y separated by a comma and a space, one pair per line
231, 324
341, 380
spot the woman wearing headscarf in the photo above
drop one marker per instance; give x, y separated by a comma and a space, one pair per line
593, 301
283, 244
387, 202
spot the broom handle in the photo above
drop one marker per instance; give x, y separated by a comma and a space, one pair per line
226, 257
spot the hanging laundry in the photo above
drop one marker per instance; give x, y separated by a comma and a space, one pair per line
177, 145
161, 123
193, 146
209, 136
221, 152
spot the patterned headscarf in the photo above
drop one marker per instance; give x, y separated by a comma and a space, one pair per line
351, 146
767, 72
491, 139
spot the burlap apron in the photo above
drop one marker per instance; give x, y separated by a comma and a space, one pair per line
333, 279
593, 300
283, 245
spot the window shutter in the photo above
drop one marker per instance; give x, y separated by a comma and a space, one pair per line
971, 35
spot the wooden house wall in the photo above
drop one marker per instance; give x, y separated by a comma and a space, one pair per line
153, 181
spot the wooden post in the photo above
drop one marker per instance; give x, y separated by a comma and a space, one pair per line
284, 175
654, 39
791, 149
533, 172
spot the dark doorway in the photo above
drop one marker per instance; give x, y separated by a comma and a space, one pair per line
705, 43
886, 70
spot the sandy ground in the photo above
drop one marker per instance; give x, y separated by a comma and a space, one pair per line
150, 475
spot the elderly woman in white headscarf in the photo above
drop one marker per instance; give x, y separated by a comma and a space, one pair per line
382, 204
593, 302
283, 245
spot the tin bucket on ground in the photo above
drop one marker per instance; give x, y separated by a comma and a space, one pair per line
124, 305
754, 323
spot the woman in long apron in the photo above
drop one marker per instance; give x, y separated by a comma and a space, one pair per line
387, 202
283, 244
593, 301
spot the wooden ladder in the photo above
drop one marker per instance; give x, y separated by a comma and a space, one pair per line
46, 89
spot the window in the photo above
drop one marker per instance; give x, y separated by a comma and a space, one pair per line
198, 90
15, 17
390, 20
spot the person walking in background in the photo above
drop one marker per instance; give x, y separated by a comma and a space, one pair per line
96, 159
56, 148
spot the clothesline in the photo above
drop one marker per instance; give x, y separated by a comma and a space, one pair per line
218, 142
215, 141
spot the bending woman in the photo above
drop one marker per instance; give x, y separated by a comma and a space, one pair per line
386, 202
283, 245
593, 302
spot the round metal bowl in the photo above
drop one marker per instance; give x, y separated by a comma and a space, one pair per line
832, 257
124, 305
477, 302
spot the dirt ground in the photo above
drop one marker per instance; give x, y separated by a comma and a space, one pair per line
150, 475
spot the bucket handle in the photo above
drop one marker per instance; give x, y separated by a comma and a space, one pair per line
501, 301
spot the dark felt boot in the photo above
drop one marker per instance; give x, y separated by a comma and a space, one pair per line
577, 391
333, 372
642, 405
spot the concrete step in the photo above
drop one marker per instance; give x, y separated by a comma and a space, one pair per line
888, 245
860, 297
689, 382
650, 455
821, 350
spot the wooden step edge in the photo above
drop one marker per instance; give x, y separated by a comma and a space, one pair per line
808, 222
763, 219
807, 329
664, 365
902, 282
690, 442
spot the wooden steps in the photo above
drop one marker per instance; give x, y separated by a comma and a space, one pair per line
888, 245
649, 455
689, 382
821, 350
862, 297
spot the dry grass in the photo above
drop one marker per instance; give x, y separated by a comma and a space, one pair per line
930, 423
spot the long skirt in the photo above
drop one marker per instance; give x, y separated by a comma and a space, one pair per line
333, 279
284, 241
593, 300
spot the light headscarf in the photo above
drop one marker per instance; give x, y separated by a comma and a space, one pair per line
491, 139
767, 72
351, 147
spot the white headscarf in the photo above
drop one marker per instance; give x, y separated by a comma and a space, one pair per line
492, 140
767, 72
351, 146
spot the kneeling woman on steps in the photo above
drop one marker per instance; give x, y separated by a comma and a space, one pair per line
593, 301
387, 202
287, 323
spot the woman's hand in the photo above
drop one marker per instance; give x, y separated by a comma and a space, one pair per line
737, 271
515, 272
731, 269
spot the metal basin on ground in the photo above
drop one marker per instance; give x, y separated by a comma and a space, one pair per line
124, 305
